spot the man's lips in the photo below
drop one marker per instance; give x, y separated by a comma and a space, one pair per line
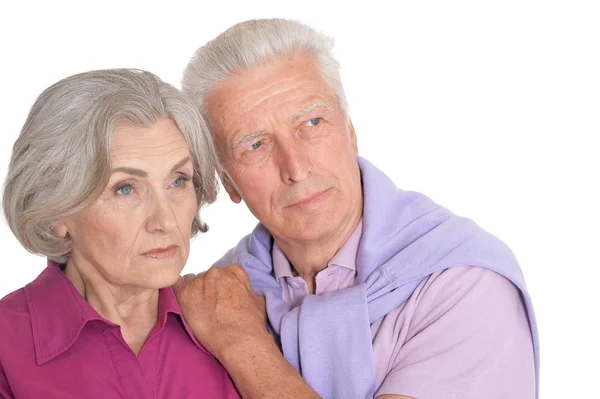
312, 199
161, 253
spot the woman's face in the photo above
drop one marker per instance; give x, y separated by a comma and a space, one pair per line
137, 233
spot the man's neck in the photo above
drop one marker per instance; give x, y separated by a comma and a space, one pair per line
308, 258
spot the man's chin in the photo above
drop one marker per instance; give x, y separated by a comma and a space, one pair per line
310, 230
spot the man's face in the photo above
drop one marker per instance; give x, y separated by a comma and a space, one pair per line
288, 149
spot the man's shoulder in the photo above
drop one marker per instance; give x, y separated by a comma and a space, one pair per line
470, 296
459, 280
479, 286
461, 325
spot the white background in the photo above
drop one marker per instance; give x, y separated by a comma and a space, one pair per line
490, 108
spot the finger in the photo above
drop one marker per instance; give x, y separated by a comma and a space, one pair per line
239, 272
212, 273
178, 286
189, 276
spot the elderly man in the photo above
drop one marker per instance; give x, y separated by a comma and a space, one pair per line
370, 291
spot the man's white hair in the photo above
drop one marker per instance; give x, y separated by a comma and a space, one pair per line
257, 42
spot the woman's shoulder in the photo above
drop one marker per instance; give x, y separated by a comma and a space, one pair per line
14, 303
15, 324
14, 313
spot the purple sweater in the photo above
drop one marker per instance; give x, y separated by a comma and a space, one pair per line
406, 238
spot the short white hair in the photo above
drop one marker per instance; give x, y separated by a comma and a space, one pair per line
61, 161
257, 42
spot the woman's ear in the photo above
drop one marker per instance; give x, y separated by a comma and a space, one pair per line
60, 230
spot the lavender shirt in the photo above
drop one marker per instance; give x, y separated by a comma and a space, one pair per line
53, 344
445, 340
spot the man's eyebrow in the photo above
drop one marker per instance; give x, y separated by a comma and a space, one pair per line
296, 116
142, 173
247, 137
309, 109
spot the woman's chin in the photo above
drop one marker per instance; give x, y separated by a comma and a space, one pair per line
164, 275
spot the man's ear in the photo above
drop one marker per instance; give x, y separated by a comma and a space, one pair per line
230, 188
353, 137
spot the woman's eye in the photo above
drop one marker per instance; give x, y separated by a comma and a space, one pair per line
313, 122
178, 183
125, 190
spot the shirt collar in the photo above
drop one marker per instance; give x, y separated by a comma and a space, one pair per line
167, 303
59, 313
345, 256
281, 264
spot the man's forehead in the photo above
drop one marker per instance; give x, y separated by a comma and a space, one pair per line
284, 90
284, 113
297, 93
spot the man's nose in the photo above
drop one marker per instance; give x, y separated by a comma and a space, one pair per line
294, 162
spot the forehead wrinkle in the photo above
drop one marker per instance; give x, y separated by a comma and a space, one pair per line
237, 97
125, 158
242, 102
126, 147
268, 86
129, 159
280, 106
228, 122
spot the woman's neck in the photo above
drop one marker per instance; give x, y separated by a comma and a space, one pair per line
135, 309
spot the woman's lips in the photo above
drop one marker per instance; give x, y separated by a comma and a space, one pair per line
161, 253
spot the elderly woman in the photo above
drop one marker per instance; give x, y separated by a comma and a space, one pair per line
106, 181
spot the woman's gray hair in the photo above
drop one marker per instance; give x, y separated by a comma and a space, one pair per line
255, 42
61, 161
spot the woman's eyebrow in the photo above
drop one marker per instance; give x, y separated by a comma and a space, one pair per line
129, 171
180, 163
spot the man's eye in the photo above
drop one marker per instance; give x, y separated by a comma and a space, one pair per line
313, 122
255, 146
